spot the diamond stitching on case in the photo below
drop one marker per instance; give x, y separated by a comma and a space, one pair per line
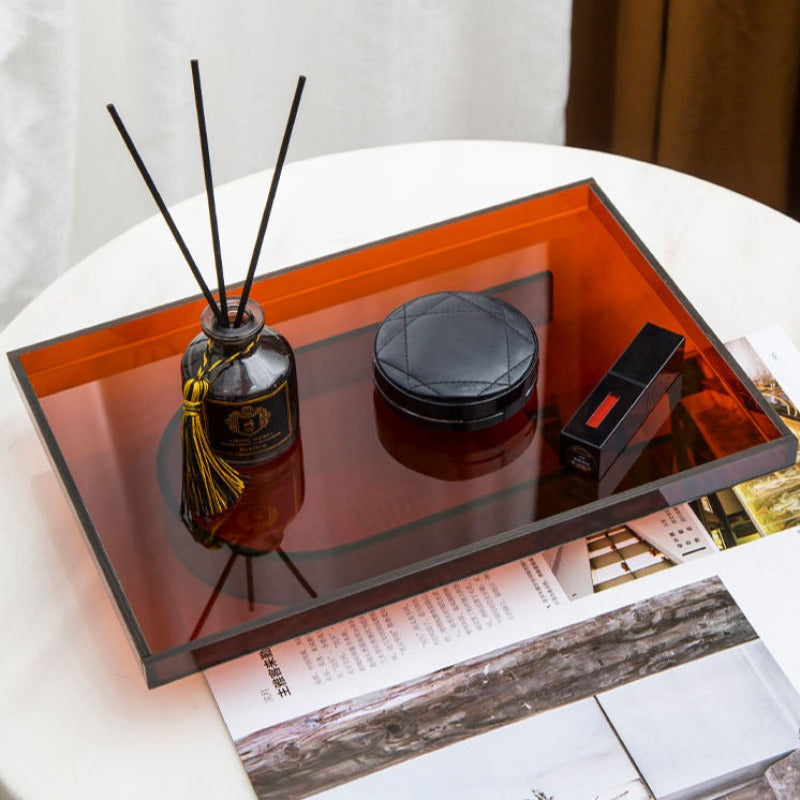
409, 316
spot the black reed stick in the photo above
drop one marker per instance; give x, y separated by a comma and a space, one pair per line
212, 206
137, 159
276, 175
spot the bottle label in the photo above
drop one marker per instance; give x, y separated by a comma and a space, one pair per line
246, 431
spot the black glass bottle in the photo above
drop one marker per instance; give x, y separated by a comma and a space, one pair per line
251, 409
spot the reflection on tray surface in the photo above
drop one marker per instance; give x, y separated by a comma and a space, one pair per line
359, 498
369, 491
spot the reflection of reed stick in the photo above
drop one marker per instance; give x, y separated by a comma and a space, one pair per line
251, 597
162, 207
226, 571
212, 206
276, 176
296, 572
214, 595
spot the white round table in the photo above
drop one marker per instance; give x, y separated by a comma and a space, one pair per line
76, 718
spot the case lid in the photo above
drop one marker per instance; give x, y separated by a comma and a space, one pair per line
456, 360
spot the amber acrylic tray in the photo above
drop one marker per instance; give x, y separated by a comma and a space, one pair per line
368, 508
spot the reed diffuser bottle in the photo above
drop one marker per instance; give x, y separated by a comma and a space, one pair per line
250, 407
239, 382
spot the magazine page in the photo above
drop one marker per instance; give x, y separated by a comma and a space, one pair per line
772, 502
658, 691
652, 690
389, 645
486, 687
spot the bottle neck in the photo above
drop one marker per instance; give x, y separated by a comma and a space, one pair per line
231, 339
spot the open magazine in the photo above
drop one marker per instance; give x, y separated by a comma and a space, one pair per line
564, 675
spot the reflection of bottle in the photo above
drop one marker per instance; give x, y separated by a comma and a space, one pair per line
251, 409
272, 498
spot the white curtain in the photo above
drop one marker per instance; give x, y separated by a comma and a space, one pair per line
379, 72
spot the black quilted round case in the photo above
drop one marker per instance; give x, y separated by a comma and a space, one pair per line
458, 360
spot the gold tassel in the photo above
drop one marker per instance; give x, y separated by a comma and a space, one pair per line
210, 484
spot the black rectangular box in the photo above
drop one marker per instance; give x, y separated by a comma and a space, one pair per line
616, 408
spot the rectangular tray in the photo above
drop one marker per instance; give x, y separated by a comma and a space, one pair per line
370, 509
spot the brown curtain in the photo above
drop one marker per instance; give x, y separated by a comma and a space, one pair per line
707, 87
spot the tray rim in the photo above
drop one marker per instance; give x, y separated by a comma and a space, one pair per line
588, 183
355, 598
